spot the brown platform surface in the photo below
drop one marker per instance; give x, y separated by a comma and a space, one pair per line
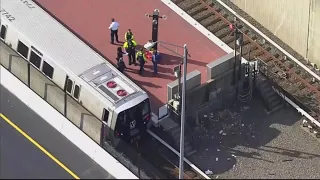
90, 19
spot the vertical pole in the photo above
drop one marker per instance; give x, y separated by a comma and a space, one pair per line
139, 170
235, 55
240, 57
254, 76
179, 84
102, 135
155, 25
179, 91
29, 73
183, 112
65, 96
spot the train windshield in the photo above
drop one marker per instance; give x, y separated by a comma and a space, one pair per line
134, 118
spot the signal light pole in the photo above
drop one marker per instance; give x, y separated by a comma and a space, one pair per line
238, 37
155, 24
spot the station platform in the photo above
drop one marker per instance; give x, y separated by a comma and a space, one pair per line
90, 20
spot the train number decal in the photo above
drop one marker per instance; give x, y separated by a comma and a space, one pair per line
28, 4
5, 13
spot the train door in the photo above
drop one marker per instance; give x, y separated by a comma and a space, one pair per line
105, 129
133, 121
72, 88
3, 32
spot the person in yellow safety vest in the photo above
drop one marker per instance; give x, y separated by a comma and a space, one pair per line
141, 57
128, 35
130, 47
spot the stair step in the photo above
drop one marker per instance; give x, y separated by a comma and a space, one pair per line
273, 98
274, 103
175, 131
274, 109
265, 88
175, 134
187, 149
190, 153
268, 92
264, 84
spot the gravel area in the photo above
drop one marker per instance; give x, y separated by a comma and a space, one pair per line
244, 142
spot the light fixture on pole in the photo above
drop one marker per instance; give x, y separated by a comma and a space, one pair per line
155, 24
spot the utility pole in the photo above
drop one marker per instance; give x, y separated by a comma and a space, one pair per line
155, 24
183, 112
177, 71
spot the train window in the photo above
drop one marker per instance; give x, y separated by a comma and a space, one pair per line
76, 92
23, 49
35, 59
47, 69
145, 108
105, 115
3, 32
69, 86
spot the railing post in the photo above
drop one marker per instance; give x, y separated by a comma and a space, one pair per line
65, 96
29, 74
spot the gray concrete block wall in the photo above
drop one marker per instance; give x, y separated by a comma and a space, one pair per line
295, 22
193, 80
219, 66
219, 74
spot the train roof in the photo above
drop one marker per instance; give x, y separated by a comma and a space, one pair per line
67, 50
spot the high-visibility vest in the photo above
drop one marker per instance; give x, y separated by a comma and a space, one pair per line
127, 44
128, 35
141, 55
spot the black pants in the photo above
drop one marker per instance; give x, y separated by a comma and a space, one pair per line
114, 34
131, 56
141, 67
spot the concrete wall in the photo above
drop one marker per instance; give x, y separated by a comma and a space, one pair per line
218, 86
314, 32
291, 21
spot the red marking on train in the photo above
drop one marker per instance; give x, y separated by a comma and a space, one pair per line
122, 92
111, 84
91, 19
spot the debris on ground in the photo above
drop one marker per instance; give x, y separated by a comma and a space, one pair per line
208, 172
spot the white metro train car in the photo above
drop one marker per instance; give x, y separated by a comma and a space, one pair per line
75, 67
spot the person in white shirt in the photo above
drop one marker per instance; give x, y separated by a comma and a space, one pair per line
114, 30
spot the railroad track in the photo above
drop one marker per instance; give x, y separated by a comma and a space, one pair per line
291, 77
155, 160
